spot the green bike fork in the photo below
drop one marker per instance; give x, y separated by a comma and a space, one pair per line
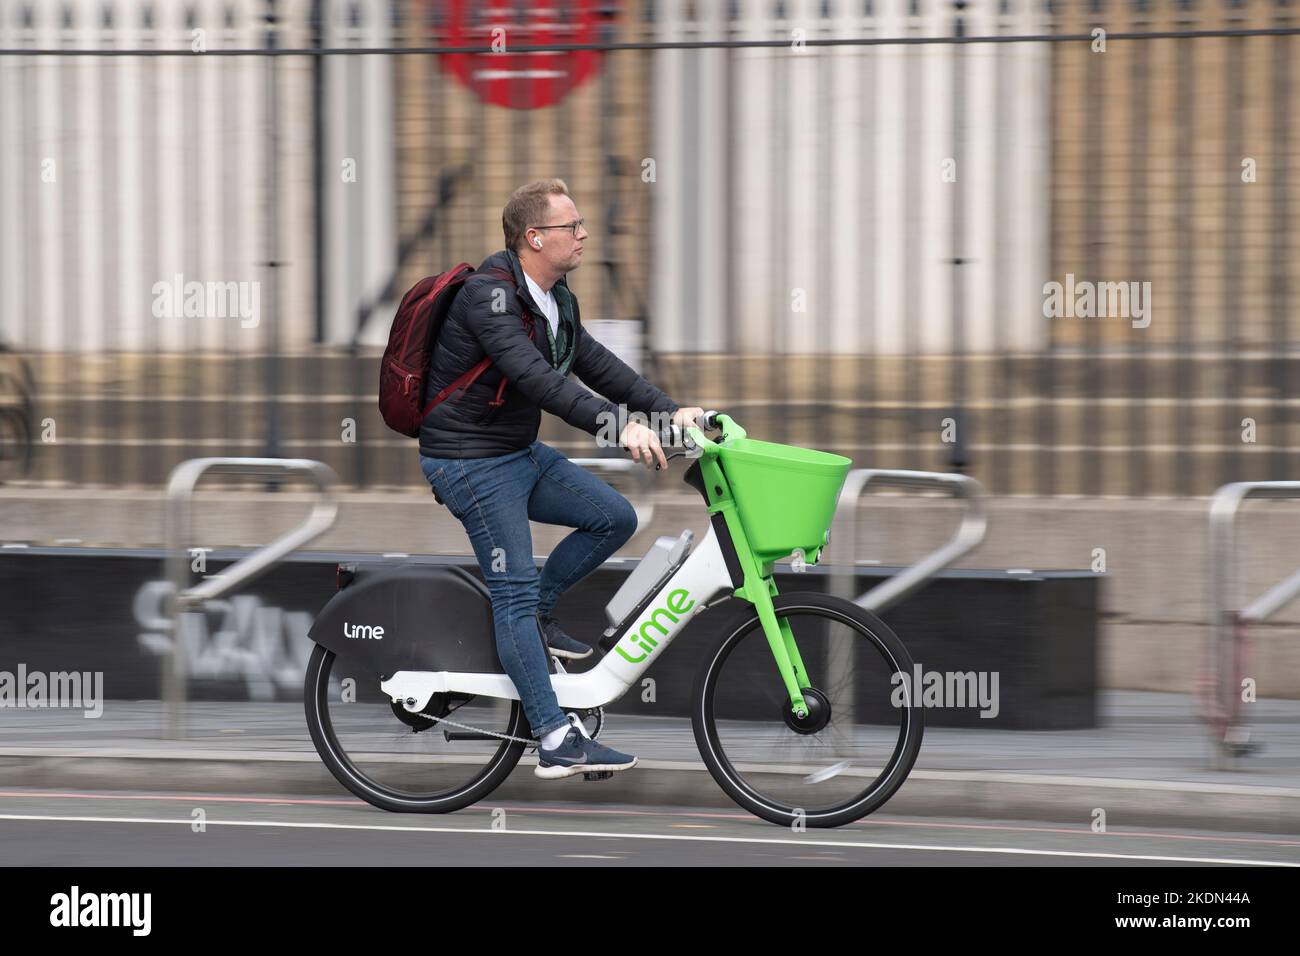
758, 590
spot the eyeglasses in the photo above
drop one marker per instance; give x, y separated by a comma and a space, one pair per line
573, 227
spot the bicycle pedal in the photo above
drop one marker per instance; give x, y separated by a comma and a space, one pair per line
598, 775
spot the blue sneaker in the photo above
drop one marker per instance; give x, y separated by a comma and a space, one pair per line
559, 643
579, 754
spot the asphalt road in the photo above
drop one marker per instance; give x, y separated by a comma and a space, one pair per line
48, 828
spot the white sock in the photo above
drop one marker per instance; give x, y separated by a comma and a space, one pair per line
553, 739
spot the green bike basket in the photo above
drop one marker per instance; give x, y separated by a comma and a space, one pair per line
785, 495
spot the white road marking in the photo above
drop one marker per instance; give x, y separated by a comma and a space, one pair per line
681, 837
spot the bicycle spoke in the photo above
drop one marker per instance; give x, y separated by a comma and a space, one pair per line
827, 772
843, 750
417, 762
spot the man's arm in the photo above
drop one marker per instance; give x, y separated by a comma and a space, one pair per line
608, 374
504, 338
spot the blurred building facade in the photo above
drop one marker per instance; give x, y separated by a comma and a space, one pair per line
849, 245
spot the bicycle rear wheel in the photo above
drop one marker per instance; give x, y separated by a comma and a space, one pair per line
408, 762
861, 737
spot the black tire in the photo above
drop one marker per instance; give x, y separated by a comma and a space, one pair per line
750, 793
316, 700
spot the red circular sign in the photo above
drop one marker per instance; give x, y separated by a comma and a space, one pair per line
522, 81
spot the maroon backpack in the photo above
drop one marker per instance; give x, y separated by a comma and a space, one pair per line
411, 340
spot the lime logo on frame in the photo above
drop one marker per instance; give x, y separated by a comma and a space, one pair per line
678, 603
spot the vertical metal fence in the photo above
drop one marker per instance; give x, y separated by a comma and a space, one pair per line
842, 220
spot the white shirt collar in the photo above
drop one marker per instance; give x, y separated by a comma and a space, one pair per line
538, 295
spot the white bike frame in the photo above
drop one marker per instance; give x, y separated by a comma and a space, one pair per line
702, 577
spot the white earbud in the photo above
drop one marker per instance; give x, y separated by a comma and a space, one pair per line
537, 243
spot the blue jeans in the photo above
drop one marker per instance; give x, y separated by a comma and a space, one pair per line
494, 498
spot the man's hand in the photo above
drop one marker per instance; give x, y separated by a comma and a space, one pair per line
643, 443
687, 417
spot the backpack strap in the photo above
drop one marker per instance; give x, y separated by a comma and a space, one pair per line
470, 376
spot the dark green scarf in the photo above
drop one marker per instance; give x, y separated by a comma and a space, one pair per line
562, 342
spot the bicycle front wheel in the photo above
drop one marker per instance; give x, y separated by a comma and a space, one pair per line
862, 734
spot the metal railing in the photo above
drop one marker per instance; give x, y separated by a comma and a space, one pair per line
1228, 643
179, 535
969, 533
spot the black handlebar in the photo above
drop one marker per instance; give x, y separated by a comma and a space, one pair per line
675, 436
671, 436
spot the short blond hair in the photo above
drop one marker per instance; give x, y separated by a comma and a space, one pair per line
529, 206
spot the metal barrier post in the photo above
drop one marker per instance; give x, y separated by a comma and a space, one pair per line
178, 531
1221, 697
888, 593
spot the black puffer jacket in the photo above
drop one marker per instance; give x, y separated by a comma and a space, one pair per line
464, 426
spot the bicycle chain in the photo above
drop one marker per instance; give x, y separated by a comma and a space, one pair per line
478, 730
532, 742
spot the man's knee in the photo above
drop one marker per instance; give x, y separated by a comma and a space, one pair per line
513, 588
623, 520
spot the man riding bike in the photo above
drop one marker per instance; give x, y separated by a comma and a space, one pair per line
480, 452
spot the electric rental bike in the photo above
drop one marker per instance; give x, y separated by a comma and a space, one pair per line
797, 710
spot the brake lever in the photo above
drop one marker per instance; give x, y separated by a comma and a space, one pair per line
676, 454
685, 442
